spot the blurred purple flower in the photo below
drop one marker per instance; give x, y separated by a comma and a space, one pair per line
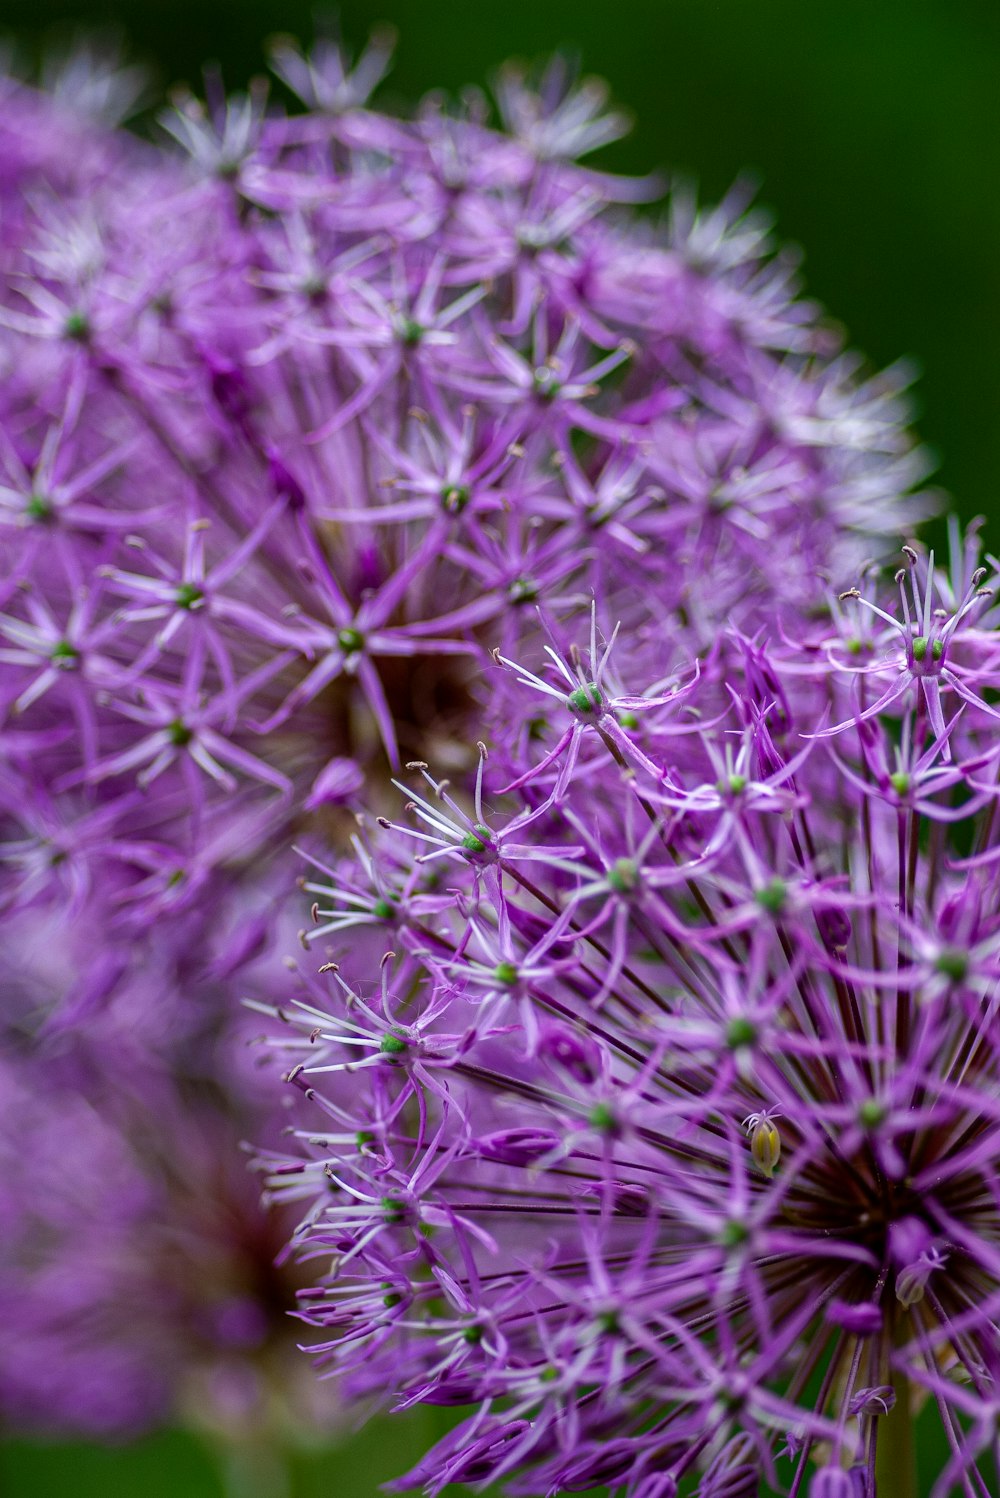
138, 1277
294, 431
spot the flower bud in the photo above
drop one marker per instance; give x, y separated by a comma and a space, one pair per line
337, 782
657, 1485
834, 928
516, 1146
572, 1052
874, 1401
833, 1482
765, 1142
863, 1319
911, 1281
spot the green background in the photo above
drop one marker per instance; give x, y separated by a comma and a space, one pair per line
874, 129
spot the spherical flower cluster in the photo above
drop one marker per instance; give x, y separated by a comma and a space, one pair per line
293, 431
302, 414
651, 1089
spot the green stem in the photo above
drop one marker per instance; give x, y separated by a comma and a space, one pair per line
895, 1453
252, 1469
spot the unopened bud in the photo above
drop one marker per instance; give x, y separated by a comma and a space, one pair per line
863, 1318
765, 1142
875, 1401
833, 1482
911, 1281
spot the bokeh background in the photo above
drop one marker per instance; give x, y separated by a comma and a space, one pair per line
873, 130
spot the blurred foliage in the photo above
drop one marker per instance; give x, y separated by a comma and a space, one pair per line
178, 1465
873, 130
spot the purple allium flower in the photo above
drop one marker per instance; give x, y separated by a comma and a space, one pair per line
295, 429
650, 1096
